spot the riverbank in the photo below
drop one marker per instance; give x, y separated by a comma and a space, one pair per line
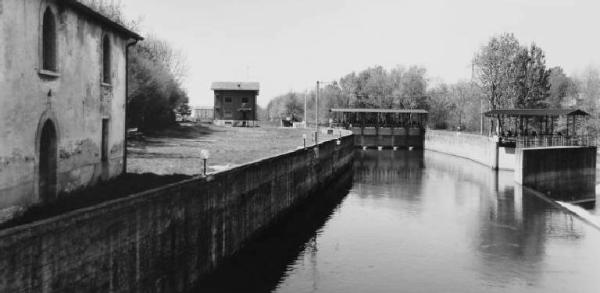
477, 148
168, 156
177, 150
166, 238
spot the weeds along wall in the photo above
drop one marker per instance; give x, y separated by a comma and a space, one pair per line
163, 240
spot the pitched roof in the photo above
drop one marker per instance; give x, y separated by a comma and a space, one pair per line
406, 111
93, 14
235, 86
536, 112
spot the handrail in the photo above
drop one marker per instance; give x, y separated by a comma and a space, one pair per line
552, 140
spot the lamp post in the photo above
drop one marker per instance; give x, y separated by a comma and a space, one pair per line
304, 138
204, 155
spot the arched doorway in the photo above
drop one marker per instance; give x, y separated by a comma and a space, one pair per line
47, 162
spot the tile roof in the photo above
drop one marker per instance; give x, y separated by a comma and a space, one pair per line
536, 112
80, 7
235, 86
411, 111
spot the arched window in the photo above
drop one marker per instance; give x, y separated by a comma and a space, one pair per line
106, 60
49, 41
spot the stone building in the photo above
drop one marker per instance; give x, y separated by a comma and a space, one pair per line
62, 107
235, 103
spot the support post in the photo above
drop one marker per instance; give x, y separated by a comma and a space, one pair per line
305, 111
317, 115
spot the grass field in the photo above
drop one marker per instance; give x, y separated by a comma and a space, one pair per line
169, 152
177, 150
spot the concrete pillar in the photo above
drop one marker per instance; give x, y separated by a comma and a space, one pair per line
495, 152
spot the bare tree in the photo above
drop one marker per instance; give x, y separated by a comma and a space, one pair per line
493, 69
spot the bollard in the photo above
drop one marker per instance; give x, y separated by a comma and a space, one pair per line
204, 155
304, 138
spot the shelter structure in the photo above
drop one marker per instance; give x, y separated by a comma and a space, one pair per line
383, 127
539, 127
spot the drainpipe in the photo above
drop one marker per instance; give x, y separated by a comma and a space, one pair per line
126, 95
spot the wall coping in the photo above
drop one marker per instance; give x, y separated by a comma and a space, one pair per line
456, 133
557, 147
134, 198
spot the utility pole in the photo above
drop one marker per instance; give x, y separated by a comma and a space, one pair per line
305, 111
481, 111
317, 114
480, 98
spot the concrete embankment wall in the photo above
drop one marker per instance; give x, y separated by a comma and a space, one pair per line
481, 149
163, 240
559, 171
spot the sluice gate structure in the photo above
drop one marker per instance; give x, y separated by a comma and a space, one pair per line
549, 150
553, 152
385, 128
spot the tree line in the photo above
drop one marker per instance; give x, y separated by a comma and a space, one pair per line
506, 74
156, 72
374, 87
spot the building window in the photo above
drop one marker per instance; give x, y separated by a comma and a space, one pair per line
228, 114
49, 53
244, 100
227, 99
106, 61
104, 146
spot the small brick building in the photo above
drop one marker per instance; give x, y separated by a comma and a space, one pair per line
235, 103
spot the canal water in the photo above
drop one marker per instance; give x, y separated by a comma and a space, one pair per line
411, 221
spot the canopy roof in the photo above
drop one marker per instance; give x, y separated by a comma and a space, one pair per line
405, 111
535, 112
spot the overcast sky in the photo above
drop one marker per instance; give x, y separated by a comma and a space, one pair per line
288, 45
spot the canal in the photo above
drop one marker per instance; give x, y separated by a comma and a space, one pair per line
419, 222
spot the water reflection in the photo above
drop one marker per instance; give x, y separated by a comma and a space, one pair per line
263, 263
423, 222
513, 226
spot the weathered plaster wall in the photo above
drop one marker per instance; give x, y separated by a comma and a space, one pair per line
165, 239
75, 100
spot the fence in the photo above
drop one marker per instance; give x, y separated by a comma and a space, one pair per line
550, 141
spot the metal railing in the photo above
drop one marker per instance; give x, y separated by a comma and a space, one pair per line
551, 141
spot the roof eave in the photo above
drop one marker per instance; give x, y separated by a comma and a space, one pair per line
538, 112
82, 8
366, 110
